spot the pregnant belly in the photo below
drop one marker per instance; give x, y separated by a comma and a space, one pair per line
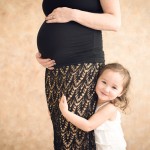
64, 40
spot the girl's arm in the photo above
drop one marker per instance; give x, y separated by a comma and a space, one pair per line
87, 125
109, 20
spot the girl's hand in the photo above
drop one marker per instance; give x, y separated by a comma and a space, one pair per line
60, 15
47, 63
63, 104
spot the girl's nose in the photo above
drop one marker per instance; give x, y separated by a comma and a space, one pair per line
107, 89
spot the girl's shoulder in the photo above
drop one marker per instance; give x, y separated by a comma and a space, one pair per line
111, 107
108, 110
108, 107
113, 110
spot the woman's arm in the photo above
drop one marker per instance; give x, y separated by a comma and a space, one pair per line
109, 20
87, 125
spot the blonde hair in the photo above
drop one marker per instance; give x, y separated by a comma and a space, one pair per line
122, 101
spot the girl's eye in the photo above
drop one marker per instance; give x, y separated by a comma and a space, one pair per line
104, 82
114, 87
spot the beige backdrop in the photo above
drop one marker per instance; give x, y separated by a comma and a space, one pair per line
24, 120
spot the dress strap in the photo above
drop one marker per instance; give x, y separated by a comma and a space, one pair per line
102, 105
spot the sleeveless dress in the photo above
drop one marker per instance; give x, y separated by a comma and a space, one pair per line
78, 53
109, 135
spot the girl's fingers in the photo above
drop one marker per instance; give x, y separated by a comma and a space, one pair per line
64, 98
59, 100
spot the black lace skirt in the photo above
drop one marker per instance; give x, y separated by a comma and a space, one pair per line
78, 83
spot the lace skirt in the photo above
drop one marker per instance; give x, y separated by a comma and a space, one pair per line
78, 83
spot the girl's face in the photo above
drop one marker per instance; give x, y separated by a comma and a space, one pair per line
109, 85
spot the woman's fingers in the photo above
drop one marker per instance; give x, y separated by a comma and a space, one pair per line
50, 68
47, 63
60, 15
41, 60
38, 55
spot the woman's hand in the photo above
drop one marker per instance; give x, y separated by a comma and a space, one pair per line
47, 63
63, 104
60, 15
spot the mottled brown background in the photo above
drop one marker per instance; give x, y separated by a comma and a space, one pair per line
24, 120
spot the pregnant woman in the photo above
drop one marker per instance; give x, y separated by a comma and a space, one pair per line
70, 47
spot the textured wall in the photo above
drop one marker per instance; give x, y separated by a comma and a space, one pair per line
24, 120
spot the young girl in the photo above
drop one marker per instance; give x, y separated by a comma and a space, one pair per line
111, 88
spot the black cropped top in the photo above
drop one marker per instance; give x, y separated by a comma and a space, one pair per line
70, 43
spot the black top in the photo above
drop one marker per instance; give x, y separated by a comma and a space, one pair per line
70, 43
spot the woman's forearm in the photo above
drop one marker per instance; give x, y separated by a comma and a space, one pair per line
104, 21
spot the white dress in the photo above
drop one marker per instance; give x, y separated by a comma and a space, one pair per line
109, 135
